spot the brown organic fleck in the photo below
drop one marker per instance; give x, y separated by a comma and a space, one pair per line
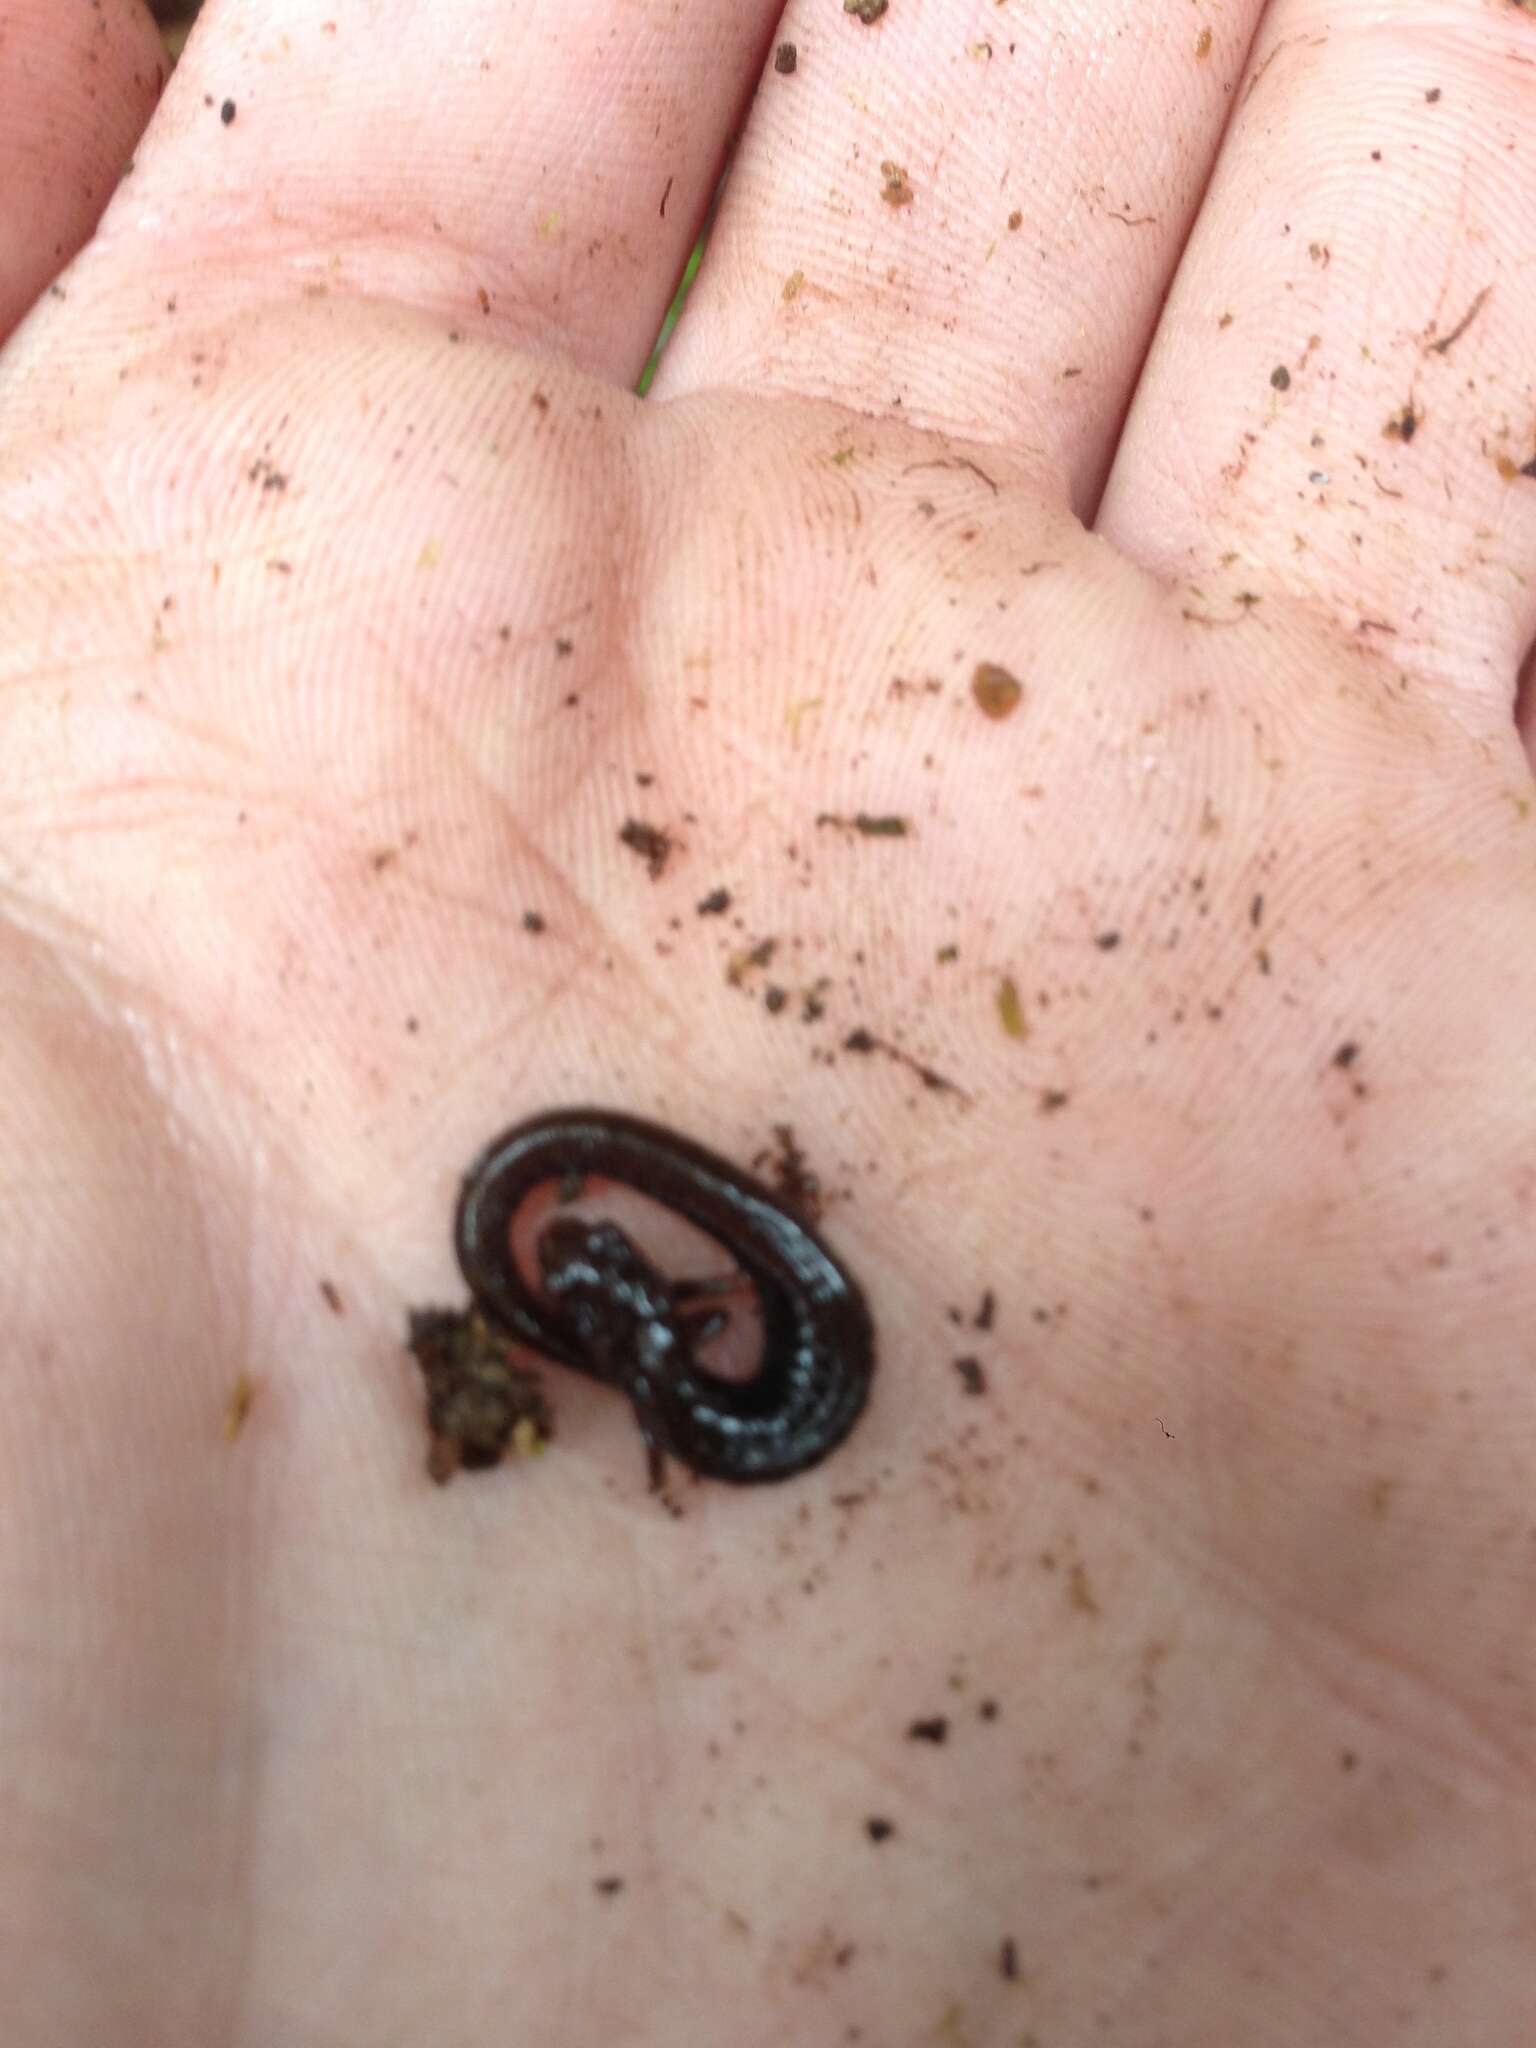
238, 1406
973, 1377
1010, 1008
1447, 342
480, 1400
868, 824
894, 190
652, 844
997, 691
794, 1182
742, 964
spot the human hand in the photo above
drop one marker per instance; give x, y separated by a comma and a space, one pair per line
1154, 1663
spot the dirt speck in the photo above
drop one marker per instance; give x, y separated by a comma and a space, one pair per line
997, 691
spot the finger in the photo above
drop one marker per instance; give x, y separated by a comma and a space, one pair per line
966, 218
1341, 404
77, 85
538, 171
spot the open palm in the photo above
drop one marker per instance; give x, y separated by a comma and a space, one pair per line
405, 729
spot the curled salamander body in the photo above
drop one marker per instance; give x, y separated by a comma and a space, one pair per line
605, 1309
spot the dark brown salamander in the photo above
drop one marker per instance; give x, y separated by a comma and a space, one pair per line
605, 1309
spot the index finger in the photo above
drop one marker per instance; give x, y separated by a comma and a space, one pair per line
538, 172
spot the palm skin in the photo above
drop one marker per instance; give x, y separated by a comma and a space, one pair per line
348, 628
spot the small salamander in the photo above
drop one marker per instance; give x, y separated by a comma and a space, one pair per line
606, 1310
